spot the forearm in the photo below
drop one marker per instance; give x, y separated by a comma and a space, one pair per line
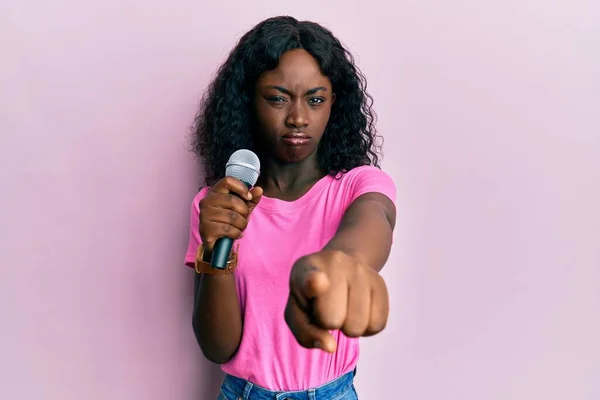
366, 232
217, 318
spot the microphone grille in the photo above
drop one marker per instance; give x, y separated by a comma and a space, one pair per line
243, 165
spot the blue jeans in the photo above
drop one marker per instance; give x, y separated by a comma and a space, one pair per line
239, 389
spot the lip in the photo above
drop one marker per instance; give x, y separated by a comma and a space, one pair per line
296, 135
296, 138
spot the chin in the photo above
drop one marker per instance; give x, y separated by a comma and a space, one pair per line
295, 154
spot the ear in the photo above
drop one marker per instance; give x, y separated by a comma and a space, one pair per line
332, 98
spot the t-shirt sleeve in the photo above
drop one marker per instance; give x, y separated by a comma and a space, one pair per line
370, 179
194, 240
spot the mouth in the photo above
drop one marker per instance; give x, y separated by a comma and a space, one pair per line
296, 138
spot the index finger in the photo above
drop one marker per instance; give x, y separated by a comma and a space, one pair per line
232, 185
307, 334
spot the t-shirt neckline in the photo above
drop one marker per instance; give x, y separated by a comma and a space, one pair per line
275, 204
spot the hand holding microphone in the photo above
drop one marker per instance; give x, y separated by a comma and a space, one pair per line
225, 209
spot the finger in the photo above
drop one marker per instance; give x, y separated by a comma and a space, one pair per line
230, 217
331, 307
380, 309
308, 281
232, 185
358, 314
256, 193
329, 294
229, 202
307, 334
216, 230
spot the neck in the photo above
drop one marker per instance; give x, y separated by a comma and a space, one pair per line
289, 181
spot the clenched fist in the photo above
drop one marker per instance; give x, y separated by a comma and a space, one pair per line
332, 290
225, 209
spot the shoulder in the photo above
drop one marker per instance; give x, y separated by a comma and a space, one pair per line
195, 239
366, 172
368, 179
196, 200
200, 195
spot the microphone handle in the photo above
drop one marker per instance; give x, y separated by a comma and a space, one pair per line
222, 249
221, 252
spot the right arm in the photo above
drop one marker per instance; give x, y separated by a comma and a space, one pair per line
217, 317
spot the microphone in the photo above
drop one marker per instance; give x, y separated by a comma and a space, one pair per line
243, 165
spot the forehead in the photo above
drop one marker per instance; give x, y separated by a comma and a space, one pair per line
296, 69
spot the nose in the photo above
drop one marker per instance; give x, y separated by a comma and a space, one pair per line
297, 116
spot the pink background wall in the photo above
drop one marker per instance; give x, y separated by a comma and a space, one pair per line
490, 112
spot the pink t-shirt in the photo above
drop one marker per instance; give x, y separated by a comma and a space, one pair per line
278, 233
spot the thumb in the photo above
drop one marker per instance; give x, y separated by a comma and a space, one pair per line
256, 193
308, 281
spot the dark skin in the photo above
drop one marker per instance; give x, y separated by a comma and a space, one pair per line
295, 97
338, 287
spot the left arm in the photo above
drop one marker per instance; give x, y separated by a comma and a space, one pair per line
340, 286
365, 231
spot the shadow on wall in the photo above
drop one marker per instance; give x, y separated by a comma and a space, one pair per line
210, 376
210, 381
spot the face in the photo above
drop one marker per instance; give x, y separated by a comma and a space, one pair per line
293, 104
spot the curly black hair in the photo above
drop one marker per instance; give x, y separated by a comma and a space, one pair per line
225, 120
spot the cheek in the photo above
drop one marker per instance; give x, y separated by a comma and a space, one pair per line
269, 119
324, 120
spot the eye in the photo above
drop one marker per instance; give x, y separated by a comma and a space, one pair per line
276, 99
316, 100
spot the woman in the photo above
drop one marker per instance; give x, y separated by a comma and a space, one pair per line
311, 235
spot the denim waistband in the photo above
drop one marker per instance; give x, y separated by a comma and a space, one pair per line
246, 390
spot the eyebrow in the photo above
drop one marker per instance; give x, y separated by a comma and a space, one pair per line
289, 93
